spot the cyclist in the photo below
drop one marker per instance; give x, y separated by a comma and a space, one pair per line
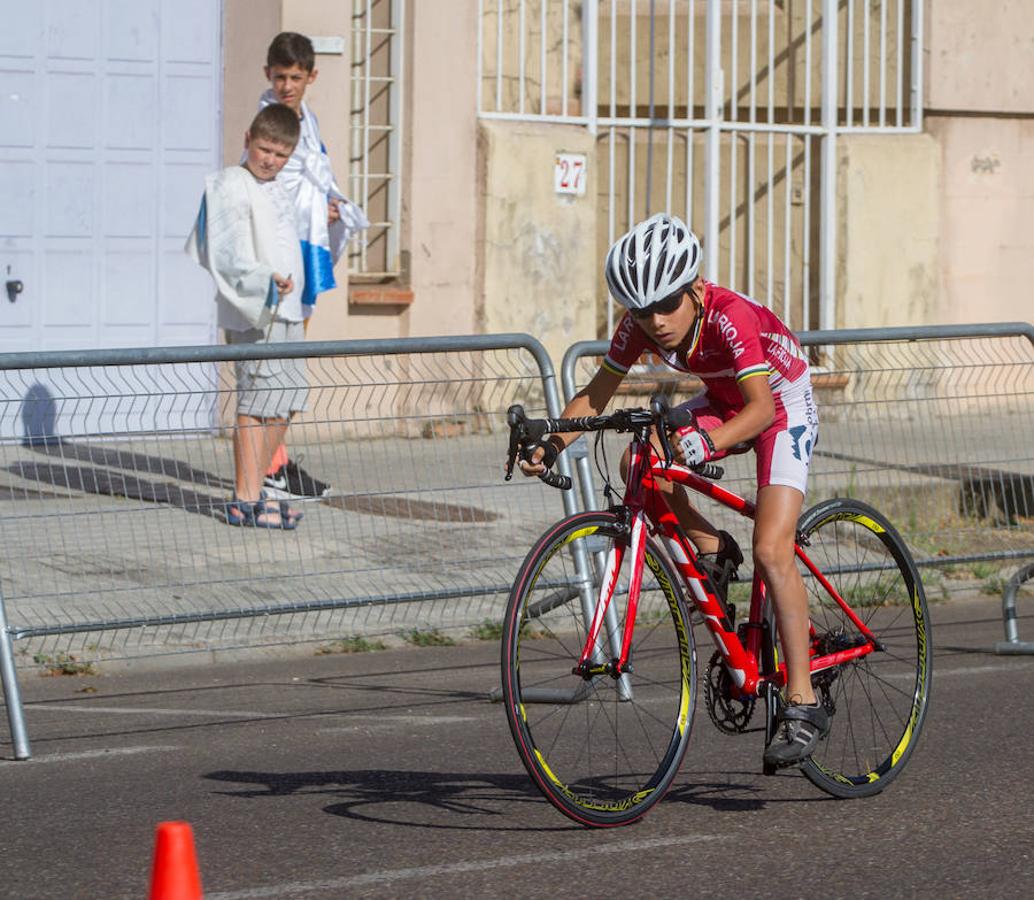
757, 389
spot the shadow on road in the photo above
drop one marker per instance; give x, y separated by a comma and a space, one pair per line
100, 455
719, 796
91, 480
363, 791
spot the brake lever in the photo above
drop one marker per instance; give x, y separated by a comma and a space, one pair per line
661, 408
669, 453
515, 419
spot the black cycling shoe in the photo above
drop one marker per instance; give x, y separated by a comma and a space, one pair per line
721, 567
799, 728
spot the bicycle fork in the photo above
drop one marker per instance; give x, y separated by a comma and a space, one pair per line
593, 661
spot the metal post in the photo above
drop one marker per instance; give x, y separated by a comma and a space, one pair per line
917, 64
583, 565
12, 696
579, 450
828, 189
565, 44
499, 56
480, 50
395, 136
367, 73
651, 110
590, 63
520, 57
712, 161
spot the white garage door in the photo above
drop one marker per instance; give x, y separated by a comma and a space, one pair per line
109, 120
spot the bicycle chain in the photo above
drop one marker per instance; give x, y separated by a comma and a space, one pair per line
728, 715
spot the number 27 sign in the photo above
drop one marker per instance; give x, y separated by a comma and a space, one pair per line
569, 174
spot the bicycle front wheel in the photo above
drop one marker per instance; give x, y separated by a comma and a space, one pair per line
602, 750
878, 702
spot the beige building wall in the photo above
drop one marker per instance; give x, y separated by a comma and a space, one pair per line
931, 227
987, 243
979, 98
889, 231
541, 263
441, 197
248, 27
980, 59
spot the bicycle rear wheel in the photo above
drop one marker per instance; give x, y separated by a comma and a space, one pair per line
878, 702
602, 751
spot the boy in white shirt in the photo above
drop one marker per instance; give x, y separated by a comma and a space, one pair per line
245, 236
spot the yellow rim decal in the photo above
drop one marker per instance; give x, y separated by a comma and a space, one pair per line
680, 629
861, 519
574, 535
917, 703
547, 769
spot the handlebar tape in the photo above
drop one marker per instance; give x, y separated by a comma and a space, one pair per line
710, 470
556, 480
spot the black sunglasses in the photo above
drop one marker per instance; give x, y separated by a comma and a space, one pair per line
665, 306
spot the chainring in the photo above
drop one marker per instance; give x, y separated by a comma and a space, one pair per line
729, 715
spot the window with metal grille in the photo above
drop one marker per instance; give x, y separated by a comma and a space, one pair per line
376, 144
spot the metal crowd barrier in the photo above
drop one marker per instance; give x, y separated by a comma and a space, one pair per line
933, 425
116, 465
1022, 580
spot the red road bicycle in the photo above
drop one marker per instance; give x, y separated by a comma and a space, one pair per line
598, 654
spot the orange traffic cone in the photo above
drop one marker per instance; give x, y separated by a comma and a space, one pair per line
175, 875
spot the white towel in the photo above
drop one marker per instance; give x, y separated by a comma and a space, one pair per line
233, 238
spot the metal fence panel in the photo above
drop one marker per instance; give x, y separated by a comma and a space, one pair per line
113, 491
931, 425
115, 540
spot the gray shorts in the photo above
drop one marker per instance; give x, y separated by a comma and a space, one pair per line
270, 388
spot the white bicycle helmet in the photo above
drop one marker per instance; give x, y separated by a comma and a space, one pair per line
656, 258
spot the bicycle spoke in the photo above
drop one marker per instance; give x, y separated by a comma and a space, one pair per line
888, 684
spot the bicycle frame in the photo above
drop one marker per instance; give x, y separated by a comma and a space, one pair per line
751, 674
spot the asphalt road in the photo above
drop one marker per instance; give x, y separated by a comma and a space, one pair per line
388, 774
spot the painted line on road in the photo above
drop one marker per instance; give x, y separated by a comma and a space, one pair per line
157, 711
391, 875
88, 754
981, 670
362, 721
384, 723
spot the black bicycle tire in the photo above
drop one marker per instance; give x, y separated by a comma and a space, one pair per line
853, 785
557, 793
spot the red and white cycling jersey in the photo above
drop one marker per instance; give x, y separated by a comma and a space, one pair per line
739, 339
